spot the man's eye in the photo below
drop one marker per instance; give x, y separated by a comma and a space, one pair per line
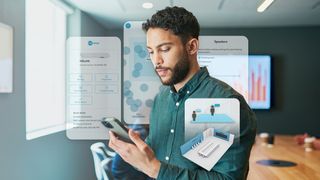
165, 50
150, 52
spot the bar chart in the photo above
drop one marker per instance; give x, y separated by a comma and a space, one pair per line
259, 81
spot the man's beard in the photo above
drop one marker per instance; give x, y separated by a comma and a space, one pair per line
179, 71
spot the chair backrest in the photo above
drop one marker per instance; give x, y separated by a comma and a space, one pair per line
100, 153
106, 169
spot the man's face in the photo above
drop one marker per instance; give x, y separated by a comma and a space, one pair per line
168, 55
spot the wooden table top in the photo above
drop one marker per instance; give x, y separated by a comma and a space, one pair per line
285, 148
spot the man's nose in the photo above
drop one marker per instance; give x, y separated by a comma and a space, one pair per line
157, 58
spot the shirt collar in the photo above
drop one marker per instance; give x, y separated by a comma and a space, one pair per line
193, 83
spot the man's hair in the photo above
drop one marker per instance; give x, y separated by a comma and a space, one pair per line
177, 19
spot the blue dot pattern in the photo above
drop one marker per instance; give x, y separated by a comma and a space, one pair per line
128, 25
138, 66
149, 103
126, 50
134, 104
144, 87
136, 73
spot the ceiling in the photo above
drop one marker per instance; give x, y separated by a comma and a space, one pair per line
210, 13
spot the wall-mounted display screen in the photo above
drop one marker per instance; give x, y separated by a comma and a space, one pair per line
260, 81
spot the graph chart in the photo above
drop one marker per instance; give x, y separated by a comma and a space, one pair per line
259, 81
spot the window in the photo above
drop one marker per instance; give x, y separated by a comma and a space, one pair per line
45, 68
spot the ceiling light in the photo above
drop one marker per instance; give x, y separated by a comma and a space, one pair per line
147, 5
264, 5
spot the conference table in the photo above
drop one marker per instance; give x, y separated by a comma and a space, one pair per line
284, 148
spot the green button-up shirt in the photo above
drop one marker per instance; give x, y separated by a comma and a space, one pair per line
167, 131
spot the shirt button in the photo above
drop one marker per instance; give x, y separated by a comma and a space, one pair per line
170, 91
177, 104
188, 92
167, 158
172, 130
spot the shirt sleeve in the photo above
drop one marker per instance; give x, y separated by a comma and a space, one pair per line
234, 164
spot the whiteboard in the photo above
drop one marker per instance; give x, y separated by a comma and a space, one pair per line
6, 60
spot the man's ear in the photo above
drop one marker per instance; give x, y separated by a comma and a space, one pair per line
193, 46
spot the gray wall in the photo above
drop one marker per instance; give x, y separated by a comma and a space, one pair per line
80, 24
295, 93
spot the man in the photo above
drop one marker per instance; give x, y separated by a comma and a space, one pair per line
212, 110
172, 41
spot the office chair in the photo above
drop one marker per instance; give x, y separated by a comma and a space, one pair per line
102, 158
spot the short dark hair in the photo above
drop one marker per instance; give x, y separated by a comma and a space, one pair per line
177, 19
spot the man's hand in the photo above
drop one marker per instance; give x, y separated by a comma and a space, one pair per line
139, 154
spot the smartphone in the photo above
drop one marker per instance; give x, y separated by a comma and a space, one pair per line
117, 127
